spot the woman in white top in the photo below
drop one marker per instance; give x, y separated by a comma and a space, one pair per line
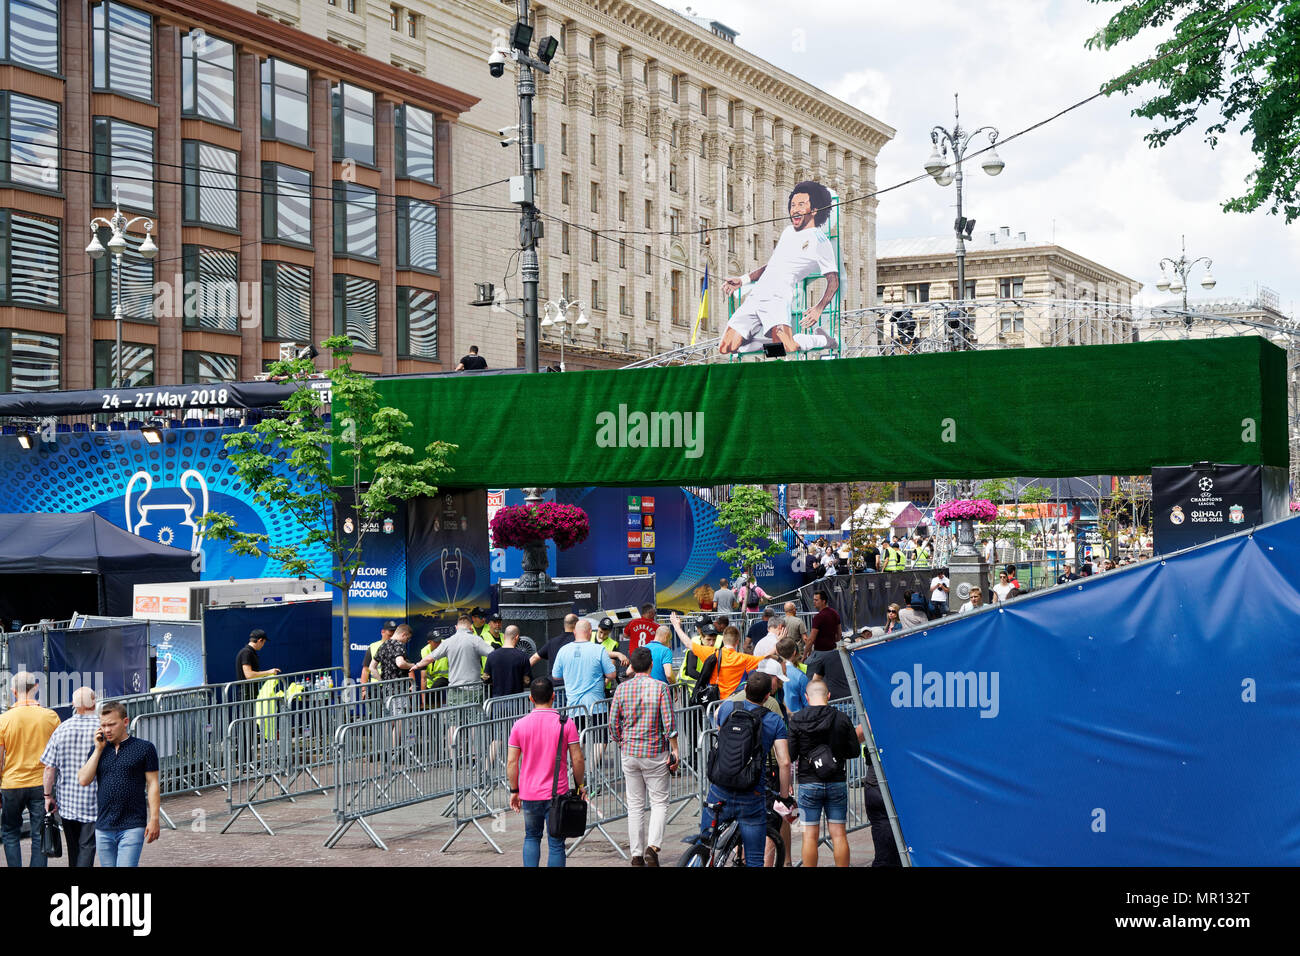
1002, 588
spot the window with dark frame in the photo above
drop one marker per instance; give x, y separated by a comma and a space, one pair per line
210, 185
286, 204
29, 34
207, 77
123, 161
286, 301
353, 113
356, 309
284, 102
121, 49
29, 150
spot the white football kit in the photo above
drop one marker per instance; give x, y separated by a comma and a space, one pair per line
797, 256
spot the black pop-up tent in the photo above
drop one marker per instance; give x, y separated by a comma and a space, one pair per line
54, 564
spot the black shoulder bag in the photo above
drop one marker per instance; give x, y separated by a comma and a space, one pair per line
51, 837
567, 817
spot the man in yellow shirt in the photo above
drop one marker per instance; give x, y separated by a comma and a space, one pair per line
25, 729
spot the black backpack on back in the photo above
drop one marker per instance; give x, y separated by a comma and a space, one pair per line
705, 693
737, 759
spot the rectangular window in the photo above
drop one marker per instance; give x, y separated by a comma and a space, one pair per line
672, 177
969, 292
29, 269
731, 113
674, 221
623, 307
284, 102
417, 323
647, 214
675, 311
207, 77
595, 197
210, 194
565, 287
564, 188
593, 149
29, 361
205, 368
649, 306
731, 242
595, 296
122, 49
355, 222
286, 301
754, 246
412, 25
731, 198
356, 310
620, 159
704, 101
676, 86
564, 139
918, 292
123, 164
1011, 287
137, 280
417, 235
564, 238
595, 248
137, 364
211, 288
622, 206
880, 295
415, 144
29, 34
354, 123
29, 150
395, 18
1012, 322
646, 268
286, 204
622, 254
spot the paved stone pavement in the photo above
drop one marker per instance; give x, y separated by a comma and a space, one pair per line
414, 836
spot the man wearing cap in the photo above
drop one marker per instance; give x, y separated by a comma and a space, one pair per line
435, 676
478, 623
247, 664
25, 730
368, 669
494, 635
607, 640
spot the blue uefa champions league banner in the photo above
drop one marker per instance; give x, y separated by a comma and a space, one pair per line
378, 591
665, 531
449, 559
155, 491
1135, 718
178, 648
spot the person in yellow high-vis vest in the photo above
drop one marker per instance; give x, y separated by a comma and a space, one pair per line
895, 560
437, 674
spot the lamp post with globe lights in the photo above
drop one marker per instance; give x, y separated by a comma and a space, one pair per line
556, 313
119, 225
946, 172
1181, 267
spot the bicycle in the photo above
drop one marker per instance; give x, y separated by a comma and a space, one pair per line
723, 845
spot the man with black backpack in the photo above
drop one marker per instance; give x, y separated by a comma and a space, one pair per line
822, 741
747, 732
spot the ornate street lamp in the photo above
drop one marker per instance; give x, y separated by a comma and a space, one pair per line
119, 225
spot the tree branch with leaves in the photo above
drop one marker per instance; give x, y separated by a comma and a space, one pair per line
286, 463
743, 514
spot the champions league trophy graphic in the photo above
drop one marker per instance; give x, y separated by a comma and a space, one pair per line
169, 514
451, 567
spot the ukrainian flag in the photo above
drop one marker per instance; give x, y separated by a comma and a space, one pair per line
704, 305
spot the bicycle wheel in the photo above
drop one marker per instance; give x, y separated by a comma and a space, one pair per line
697, 855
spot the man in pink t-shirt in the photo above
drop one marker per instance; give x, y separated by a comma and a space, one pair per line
530, 769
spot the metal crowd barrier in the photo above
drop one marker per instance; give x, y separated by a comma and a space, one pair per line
480, 789
311, 679
518, 705
385, 763
286, 747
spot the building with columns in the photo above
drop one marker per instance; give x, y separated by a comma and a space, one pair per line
655, 125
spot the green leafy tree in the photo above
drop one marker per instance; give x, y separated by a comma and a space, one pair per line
744, 514
1017, 531
285, 461
1241, 61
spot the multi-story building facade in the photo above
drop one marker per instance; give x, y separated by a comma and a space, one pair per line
293, 187
1014, 268
656, 126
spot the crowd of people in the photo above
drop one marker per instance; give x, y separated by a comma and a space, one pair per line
87, 774
780, 745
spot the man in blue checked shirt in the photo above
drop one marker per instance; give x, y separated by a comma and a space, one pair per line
78, 806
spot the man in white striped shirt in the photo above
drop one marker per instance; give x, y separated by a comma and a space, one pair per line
78, 806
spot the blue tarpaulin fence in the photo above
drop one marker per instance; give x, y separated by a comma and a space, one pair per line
1148, 716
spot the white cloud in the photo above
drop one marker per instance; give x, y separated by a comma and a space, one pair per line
1016, 62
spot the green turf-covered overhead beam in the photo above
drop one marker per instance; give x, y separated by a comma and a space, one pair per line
1052, 412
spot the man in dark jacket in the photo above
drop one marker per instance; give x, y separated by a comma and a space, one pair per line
822, 740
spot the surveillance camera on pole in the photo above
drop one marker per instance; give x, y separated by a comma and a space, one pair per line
521, 187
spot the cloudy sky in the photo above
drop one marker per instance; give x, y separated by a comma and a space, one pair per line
1088, 177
